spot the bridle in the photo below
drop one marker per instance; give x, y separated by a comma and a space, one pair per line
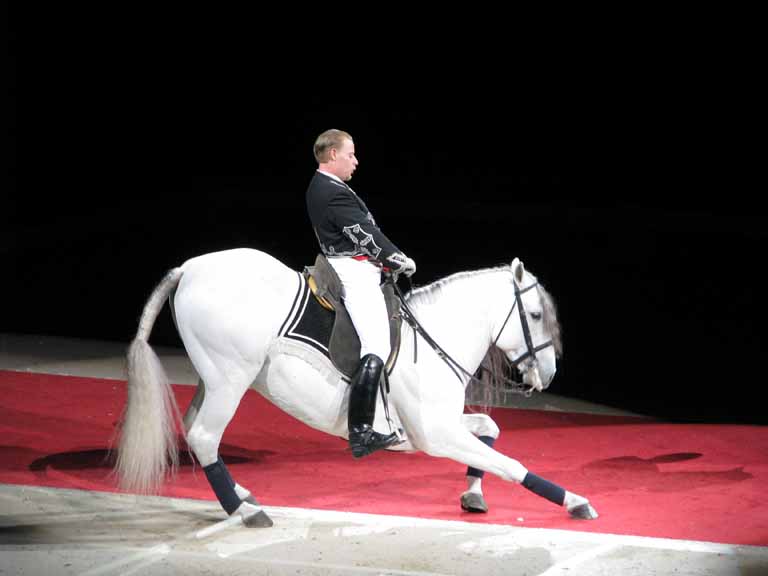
531, 350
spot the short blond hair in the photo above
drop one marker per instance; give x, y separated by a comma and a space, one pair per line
328, 140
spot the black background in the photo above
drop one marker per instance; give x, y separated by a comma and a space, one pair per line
623, 188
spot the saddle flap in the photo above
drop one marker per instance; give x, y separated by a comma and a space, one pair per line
344, 344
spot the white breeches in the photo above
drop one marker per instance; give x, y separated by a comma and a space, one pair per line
365, 304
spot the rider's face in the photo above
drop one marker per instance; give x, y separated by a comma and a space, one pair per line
345, 159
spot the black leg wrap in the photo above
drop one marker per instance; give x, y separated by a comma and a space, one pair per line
223, 485
488, 441
544, 488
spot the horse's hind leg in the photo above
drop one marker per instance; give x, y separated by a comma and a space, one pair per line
194, 406
189, 419
486, 430
210, 412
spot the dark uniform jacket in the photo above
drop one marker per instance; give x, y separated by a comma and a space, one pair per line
342, 223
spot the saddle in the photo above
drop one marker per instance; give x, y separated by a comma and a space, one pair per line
344, 344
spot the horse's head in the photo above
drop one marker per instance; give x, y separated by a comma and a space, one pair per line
529, 335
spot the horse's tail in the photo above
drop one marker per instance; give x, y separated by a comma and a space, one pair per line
147, 448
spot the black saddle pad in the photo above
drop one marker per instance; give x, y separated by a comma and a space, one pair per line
332, 332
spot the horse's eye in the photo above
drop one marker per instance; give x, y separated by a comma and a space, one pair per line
536, 315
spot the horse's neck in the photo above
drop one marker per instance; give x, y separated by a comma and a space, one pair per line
458, 316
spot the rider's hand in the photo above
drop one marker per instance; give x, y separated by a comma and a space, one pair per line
401, 264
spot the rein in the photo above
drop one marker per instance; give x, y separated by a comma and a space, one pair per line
456, 368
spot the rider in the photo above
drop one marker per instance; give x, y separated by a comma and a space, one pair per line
357, 250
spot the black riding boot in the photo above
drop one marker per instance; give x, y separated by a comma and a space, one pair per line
363, 440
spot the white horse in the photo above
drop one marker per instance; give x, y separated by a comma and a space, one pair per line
230, 308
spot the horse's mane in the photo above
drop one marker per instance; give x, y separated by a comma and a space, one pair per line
491, 390
431, 292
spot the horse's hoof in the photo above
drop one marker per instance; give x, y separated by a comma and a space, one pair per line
252, 500
258, 520
583, 512
473, 502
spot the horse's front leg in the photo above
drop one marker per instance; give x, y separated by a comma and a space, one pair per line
486, 430
460, 444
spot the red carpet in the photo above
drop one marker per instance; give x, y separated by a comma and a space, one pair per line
697, 482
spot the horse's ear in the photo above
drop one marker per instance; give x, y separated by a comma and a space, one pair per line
517, 269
